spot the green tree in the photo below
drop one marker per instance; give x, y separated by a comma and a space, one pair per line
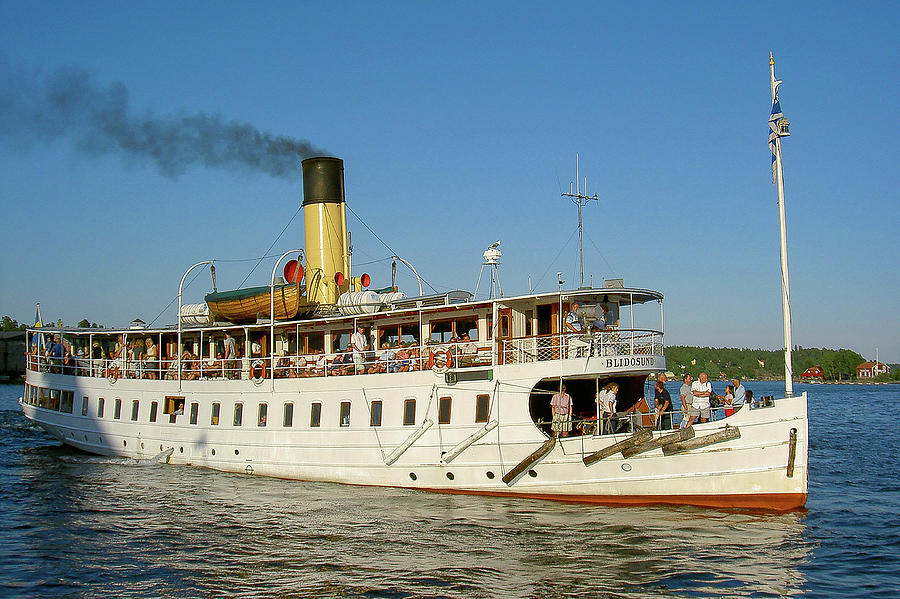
10, 324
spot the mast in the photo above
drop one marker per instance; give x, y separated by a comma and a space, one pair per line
580, 198
778, 128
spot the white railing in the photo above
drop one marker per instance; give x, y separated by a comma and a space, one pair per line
620, 342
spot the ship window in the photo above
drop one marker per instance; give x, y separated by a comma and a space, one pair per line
444, 410
238, 414
100, 405
54, 399
315, 415
262, 414
68, 398
195, 407
441, 331
345, 413
375, 416
468, 326
489, 319
173, 404
117, 413
409, 412
482, 408
339, 340
154, 406
84, 406
214, 419
135, 407
288, 415
529, 317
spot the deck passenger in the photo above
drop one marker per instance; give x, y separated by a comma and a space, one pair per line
607, 401
689, 412
468, 351
386, 361
230, 355
702, 390
728, 400
561, 408
575, 331
663, 402
740, 394
359, 342
152, 359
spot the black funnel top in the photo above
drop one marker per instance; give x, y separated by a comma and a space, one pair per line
323, 180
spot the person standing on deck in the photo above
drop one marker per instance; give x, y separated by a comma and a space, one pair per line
360, 344
561, 407
663, 402
740, 394
689, 412
574, 329
230, 355
702, 390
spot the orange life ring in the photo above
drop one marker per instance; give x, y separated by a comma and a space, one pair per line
258, 371
112, 374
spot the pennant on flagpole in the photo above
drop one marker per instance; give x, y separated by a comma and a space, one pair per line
773, 129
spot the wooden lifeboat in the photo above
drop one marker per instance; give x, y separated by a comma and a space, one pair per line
251, 303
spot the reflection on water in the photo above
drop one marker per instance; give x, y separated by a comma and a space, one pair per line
137, 528
77, 525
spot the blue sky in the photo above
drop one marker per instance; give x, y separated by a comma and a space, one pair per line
458, 124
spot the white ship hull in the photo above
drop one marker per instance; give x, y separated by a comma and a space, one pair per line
765, 468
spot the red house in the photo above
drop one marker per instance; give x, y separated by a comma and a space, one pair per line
869, 370
812, 375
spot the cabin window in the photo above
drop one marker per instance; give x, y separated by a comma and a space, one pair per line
489, 319
100, 405
444, 410
504, 326
135, 408
173, 404
529, 317
467, 326
545, 319
407, 333
441, 331
345, 413
315, 415
214, 418
311, 343
84, 406
154, 406
409, 412
54, 399
339, 340
262, 414
195, 408
238, 414
375, 416
288, 415
117, 413
68, 398
482, 408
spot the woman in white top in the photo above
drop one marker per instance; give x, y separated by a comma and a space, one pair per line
607, 401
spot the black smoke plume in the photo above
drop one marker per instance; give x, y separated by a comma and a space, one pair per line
69, 104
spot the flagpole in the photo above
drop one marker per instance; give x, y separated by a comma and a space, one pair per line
785, 281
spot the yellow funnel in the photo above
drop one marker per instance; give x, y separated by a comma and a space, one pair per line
325, 227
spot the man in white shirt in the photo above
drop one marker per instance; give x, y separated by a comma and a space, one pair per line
359, 343
701, 390
575, 329
740, 394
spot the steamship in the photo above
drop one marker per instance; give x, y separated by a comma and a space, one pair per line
441, 392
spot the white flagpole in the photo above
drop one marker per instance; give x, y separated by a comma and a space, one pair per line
785, 281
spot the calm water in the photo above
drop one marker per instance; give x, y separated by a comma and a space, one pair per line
81, 526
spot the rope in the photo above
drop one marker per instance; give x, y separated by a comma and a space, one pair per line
258, 262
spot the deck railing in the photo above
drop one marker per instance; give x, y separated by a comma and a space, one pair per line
619, 342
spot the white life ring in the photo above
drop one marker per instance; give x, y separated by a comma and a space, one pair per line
258, 372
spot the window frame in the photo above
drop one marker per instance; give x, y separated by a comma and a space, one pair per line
447, 401
482, 407
409, 419
344, 420
315, 414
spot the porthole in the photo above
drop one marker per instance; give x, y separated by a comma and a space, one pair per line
532, 474
85, 437
213, 451
181, 450
450, 476
490, 475
412, 476
626, 467
237, 452
160, 448
142, 444
99, 439
125, 443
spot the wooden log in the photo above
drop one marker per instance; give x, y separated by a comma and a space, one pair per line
792, 452
729, 433
680, 435
530, 461
641, 436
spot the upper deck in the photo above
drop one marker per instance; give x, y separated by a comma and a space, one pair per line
439, 332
